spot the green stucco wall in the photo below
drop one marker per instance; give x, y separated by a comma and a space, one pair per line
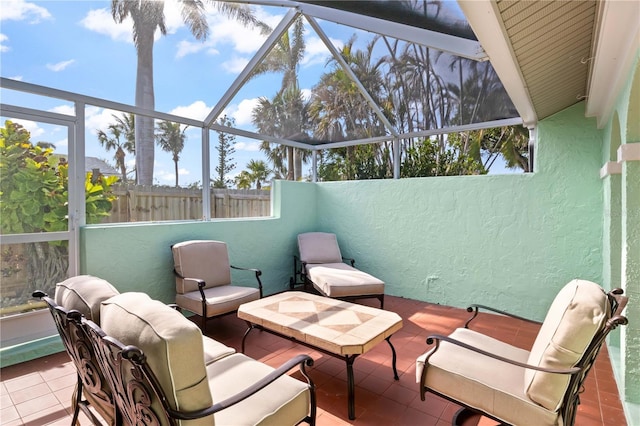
137, 257
509, 241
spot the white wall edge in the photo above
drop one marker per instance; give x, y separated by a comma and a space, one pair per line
610, 168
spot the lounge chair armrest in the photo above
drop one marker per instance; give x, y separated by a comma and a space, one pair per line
436, 338
350, 260
475, 309
257, 272
300, 360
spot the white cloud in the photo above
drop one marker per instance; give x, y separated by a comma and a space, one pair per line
227, 31
306, 94
197, 110
247, 146
235, 65
17, 77
99, 119
242, 112
3, 47
64, 109
20, 10
183, 172
101, 22
60, 66
316, 52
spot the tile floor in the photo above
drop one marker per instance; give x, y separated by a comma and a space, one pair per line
39, 392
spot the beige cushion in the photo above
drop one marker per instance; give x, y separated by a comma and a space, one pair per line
284, 402
214, 350
340, 280
202, 259
319, 247
220, 300
84, 293
482, 382
577, 313
173, 346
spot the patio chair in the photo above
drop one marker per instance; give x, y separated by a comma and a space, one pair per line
152, 356
75, 297
538, 387
203, 280
321, 264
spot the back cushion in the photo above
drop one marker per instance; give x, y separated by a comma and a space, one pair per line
203, 259
84, 293
319, 247
173, 346
578, 312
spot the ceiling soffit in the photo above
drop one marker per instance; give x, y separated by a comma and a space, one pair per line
552, 44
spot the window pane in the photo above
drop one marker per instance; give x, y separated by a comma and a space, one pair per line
29, 267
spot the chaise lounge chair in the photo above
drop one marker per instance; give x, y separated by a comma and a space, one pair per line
321, 264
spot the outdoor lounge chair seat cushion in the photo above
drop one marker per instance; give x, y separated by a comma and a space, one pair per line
577, 314
284, 402
483, 382
511, 393
340, 280
172, 344
84, 293
319, 247
220, 300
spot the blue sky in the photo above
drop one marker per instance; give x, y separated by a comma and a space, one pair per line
77, 46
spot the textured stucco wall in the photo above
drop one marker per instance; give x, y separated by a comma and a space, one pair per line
509, 241
137, 257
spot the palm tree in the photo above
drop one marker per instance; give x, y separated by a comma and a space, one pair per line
148, 16
171, 139
244, 180
284, 58
284, 116
258, 171
122, 127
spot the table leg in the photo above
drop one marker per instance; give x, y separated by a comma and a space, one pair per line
246, 333
393, 359
351, 407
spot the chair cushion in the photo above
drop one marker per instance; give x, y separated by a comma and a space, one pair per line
214, 350
483, 382
220, 300
172, 344
579, 311
340, 280
319, 247
284, 402
203, 259
84, 293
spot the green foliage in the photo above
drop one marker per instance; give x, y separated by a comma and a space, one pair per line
225, 148
34, 193
34, 186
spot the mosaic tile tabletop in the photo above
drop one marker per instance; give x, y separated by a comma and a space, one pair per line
342, 328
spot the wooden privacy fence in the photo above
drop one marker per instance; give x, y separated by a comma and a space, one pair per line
151, 203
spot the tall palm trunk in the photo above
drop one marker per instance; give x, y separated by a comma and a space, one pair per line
290, 164
145, 98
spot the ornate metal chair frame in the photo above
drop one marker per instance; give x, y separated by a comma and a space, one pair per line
134, 395
578, 374
89, 373
201, 287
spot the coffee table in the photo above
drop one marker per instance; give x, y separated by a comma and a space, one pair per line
341, 329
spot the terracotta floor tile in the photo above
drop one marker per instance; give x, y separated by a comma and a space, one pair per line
8, 414
36, 405
23, 382
379, 399
31, 392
